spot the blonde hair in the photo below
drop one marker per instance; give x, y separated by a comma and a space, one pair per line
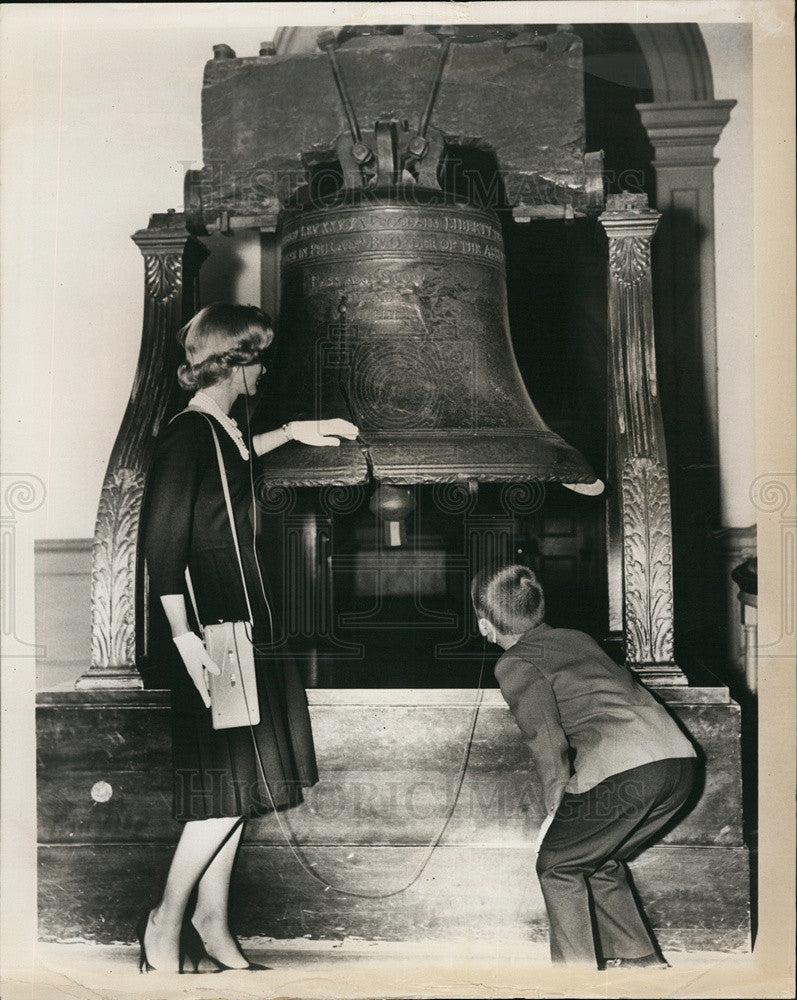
510, 597
220, 337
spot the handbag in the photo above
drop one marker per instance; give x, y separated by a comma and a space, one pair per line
233, 692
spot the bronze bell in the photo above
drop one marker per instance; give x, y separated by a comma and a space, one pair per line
394, 316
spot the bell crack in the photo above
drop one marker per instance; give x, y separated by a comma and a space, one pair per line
361, 442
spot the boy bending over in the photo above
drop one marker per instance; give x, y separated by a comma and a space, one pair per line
632, 768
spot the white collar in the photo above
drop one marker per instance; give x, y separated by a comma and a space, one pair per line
202, 401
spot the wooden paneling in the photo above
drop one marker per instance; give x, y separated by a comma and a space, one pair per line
695, 897
388, 772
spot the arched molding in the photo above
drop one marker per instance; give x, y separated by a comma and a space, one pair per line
677, 60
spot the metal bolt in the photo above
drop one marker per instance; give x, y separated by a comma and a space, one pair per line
361, 153
418, 146
223, 52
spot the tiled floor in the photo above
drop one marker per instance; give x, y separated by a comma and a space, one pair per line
353, 968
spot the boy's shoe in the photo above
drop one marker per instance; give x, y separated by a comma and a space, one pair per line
646, 961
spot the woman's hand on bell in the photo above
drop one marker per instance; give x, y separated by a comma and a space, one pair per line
197, 662
322, 433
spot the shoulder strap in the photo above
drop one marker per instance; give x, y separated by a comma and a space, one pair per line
187, 409
188, 582
192, 595
226, 487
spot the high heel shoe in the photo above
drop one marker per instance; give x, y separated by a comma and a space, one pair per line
141, 930
191, 947
249, 967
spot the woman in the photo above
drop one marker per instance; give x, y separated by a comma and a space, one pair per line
217, 773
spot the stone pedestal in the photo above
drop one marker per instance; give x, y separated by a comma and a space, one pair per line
388, 761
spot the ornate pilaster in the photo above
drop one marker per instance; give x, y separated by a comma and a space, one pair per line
683, 134
637, 453
172, 259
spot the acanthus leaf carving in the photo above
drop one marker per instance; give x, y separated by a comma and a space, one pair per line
163, 274
647, 552
113, 567
629, 258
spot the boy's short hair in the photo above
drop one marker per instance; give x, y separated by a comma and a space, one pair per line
510, 597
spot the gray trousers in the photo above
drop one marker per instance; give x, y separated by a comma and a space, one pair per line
581, 863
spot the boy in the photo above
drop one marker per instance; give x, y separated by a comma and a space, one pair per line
632, 771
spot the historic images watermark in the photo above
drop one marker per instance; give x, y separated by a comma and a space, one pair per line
321, 187
22, 494
500, 803
774, 494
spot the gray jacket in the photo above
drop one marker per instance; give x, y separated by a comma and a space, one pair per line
571, 700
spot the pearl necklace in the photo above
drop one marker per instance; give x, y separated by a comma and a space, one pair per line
202, 401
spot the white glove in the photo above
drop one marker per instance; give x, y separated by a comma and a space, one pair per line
543, 830
321, 433
196, 660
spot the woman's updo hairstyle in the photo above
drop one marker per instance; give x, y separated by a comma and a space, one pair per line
220, 337
510, 597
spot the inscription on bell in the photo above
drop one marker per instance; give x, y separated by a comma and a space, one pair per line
389, 242
377, 221
391, 315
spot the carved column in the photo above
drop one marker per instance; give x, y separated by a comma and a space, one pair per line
637, 451
683, 134
172, 259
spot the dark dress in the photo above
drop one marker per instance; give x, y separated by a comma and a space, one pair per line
216, 772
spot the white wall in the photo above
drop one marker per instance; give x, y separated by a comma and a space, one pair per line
99, 128
730, 52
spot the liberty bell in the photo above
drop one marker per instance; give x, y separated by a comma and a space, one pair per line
394, 316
